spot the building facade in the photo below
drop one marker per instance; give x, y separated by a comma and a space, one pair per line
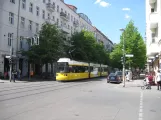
23, 19
153, 36
101, 38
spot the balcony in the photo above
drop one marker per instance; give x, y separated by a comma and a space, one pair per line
50, 7
153, 49
154, 18
152, 1
48, 21
64, 29
64, 16
76, 23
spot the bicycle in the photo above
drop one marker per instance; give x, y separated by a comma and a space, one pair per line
145, 85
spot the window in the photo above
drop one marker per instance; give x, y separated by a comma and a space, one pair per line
10, 38
12, 1
57, 22
66, 12
153, 37
57, 8
69, 16
54, 4
22, 22
53, 18
61, 23
37, 27
24, 4
61, 9
48, 16
30, 25
21, 42
31, 7
11, 18
152, 10
37, 11
44, 1
49, 1
68, 27
72, 18
43, 14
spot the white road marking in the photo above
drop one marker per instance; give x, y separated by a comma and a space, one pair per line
141, 107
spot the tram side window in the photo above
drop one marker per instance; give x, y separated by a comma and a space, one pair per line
105, 69
79, 69
71, 69
91, 69
86, 69
62, 69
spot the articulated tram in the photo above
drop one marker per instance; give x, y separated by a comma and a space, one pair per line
68, 70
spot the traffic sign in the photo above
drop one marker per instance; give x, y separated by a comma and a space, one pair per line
8, 56
129, 55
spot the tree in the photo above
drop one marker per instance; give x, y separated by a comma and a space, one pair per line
115, 57
85, 48
50, 48
83, 44
134, 44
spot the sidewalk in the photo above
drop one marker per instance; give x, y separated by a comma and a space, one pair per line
8, 81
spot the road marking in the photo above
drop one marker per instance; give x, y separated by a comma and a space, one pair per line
141, 107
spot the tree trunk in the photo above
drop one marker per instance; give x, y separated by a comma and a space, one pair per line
51, 68
46, 67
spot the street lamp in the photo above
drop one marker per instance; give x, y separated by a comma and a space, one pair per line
11, 51
122, 30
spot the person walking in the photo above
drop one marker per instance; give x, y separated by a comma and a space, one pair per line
14, 73
158, 79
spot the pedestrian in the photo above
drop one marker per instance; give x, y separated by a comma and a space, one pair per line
158, 79
14, 73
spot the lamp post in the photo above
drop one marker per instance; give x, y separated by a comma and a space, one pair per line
11, 51
123, 71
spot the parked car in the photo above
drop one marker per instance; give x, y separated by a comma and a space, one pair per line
114, 77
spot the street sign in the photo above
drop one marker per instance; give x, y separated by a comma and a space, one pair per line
129, 55
7, 56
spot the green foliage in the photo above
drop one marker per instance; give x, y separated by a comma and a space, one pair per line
134, 44
50, 48
87, 49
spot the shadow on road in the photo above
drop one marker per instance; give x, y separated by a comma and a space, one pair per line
86, 80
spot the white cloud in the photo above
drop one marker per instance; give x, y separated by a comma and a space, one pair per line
97, 1
102, 3
127, 16
126, 9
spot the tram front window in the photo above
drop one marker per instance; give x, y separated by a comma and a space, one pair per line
62, 68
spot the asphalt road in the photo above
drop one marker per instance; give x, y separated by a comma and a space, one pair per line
83, 100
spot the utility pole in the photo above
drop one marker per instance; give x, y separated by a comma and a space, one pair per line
18, 23
123, 71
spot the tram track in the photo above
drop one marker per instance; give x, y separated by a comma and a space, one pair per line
58, 87
26, 85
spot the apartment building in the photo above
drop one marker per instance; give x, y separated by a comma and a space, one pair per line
23, 18
153, 36
101, 38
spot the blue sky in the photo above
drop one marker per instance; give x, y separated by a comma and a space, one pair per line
111, 15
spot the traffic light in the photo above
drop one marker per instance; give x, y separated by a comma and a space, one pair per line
122, 60
10, 60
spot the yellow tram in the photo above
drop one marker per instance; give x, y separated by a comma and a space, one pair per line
68, 70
